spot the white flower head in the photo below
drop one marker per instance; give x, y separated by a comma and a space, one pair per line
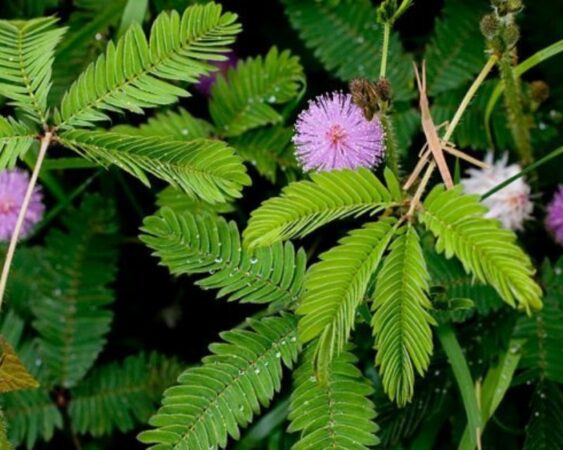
511, 205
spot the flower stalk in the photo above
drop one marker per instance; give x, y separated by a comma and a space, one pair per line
45, 142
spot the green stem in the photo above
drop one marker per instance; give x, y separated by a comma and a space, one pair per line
495, 386
391, 147
463, 379
385, 49
517, 121
554, 154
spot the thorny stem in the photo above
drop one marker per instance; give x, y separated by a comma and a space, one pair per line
385, 49
391, 148
452, 126
519, 128
45, 141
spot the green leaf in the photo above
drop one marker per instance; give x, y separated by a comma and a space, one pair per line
247, 97
71, 316
458, 284
4, 442
307, 205
211, 402
347, 39
31, 415
119, 396
190, 244
456, 52
486, 250
15, 140
541, 356
177, 50
88, 28
401, 321
26, 57
545, 428
204, 168
178, 125
336, 286
269, 149
338, 414
181, 202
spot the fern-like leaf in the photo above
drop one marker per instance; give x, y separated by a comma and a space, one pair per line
88, 28
177, 50
457, 284
456, 51
545, 428
335, 287
179, 125
269, 150
4, 442
485, 249
15, 140
26, 57
71, 317
337, 414
204, 168
180, 202
119, 396
307, 205
401, 321
245, 99
213, 401
541, 354
347, 39
192, 244
31, 414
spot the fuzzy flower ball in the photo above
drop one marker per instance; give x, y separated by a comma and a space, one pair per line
511, 205
554, 220
332, 133
13, 184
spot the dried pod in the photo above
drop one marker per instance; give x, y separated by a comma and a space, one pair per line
364, 95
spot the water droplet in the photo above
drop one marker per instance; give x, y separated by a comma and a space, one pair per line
218, 260
185, 131
257, 371
313, 379
537, 414
278, 355
272, 99
293, 339
38, 362
360, 40
98, 36
253, 260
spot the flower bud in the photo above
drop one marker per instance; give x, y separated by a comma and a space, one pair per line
539, 91
511, 35
489, 26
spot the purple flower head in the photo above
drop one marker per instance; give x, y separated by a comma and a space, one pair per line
13, 184
332, 133
205, 83
554, 220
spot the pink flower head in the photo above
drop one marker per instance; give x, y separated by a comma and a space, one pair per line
332, 133
13, 184
554, 220
205, 83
